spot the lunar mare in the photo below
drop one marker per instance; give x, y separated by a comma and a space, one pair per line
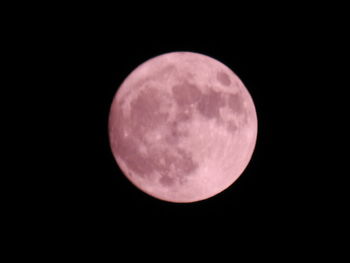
182, 127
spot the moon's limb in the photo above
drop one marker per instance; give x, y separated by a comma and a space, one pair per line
182, 127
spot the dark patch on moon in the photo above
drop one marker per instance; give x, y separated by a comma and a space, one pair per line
174, 134
166, 70
223, 78
235, 103
166, 181
183, 166
209, 104
183, 116
185, 94
186, 163
145, 109
231, 126
127, 150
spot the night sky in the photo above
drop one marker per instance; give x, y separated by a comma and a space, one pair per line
82, 189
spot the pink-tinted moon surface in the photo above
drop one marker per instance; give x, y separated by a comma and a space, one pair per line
182, 127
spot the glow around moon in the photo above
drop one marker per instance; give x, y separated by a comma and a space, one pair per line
182, 127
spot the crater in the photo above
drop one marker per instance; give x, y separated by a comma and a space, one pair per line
223, 78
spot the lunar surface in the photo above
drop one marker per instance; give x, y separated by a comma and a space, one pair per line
182, 127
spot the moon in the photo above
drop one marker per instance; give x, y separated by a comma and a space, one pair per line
182, 127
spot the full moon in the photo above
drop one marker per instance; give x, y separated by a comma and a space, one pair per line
182, 127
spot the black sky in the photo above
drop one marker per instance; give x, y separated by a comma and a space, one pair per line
84, 61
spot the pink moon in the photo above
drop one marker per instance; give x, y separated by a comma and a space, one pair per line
182, 127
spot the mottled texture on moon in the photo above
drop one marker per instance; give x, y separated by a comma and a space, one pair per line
182, 127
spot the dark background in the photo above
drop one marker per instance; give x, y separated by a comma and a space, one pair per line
80, 57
